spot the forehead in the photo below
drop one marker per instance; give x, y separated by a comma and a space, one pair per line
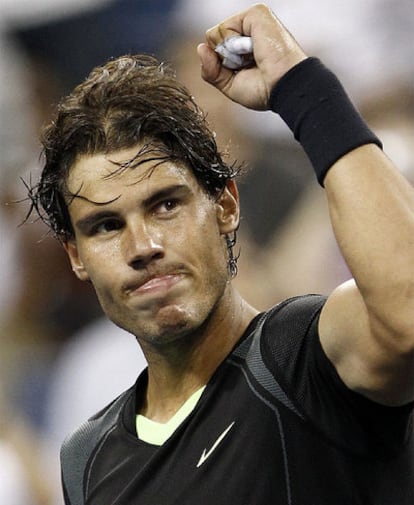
102, 177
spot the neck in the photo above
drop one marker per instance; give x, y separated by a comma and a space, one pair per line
176, 371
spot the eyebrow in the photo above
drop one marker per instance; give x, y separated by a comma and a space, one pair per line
175, 189
86, 222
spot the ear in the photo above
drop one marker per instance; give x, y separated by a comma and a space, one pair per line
228, 208
71, 249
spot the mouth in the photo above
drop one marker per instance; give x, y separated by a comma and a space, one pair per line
156, 284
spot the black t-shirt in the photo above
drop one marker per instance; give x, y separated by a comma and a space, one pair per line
274, 425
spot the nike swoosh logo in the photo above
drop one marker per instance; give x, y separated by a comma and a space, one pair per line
206, 454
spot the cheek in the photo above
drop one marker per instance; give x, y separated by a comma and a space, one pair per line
212, 250
102, 265
107, 293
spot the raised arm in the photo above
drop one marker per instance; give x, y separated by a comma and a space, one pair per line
367, 325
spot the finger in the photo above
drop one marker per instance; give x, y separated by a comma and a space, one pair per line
212, 70
210, 63
220, 33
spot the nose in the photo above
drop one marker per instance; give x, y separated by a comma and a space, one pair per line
142, 245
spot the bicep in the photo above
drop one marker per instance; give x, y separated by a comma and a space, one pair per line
367, 359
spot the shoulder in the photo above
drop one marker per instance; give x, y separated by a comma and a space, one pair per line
298, 309
78, 447
277, 352
288, 324
88, 432
278, 333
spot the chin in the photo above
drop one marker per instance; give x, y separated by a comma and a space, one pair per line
168, 324
174, 321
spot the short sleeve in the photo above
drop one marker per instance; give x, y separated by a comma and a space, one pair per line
292, 350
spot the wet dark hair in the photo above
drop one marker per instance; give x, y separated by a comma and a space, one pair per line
129, 100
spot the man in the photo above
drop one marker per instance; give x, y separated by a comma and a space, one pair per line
310, 402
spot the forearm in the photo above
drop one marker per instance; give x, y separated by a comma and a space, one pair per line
372, 212
366, 329
371, 204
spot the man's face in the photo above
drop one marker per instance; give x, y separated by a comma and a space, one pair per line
151, 242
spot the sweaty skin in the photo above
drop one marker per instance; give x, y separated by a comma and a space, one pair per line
154, 248
367, 325
144, 238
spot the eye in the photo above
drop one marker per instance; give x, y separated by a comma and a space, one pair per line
106, 226
167, 206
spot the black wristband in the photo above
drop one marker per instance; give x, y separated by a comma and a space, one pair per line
314, 105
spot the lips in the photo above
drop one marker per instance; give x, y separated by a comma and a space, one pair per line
161, 281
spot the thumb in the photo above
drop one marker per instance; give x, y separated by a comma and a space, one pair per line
212, 70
